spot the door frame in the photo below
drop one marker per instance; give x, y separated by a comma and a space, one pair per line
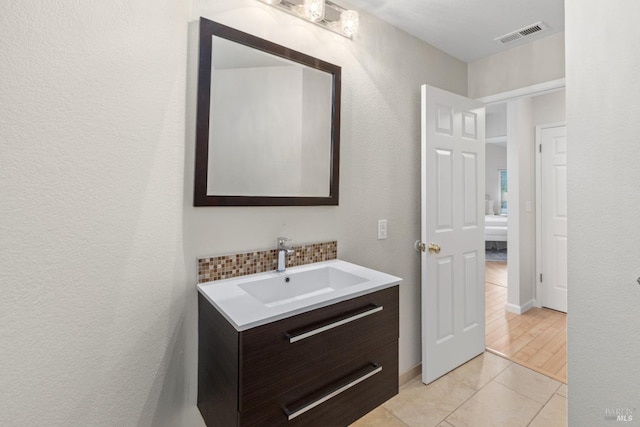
512, 95
538, 189
524, 92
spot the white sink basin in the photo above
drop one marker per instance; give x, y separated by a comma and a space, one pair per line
298, 285
257, 299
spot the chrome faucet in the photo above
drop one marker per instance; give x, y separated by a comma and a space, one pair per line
283, 251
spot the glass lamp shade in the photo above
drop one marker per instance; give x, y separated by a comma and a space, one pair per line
349, 22
314, 9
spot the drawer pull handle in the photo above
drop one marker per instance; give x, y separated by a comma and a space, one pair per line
294, 338
374, 369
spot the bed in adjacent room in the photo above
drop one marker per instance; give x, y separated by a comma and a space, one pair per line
495, 228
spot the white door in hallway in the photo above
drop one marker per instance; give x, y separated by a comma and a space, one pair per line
552, 157
452, 220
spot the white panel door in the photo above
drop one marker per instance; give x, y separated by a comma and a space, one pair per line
553, 215
453, 223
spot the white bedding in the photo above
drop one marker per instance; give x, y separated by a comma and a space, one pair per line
495, 228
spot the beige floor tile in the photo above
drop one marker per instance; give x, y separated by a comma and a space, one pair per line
477, 372
553, 414
495, 406
444, 424
427, 405
529, 383
379, 417
411, 384
562, 391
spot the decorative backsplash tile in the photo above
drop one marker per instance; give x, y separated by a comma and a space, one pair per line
226, 266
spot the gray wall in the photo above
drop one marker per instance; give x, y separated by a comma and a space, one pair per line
93, 285
604, 202
550, 108
532, 63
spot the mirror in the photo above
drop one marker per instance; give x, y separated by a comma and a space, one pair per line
268, 123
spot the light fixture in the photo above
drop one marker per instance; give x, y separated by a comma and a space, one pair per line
349, 22
314, 10
323, 13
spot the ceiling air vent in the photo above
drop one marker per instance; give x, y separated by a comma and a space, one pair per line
521, 33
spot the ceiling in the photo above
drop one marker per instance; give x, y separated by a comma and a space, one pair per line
466, 29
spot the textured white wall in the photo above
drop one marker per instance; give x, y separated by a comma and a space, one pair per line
496, 120
604, 202
92, 286
520, 175
382, 70
549, 108
536, 62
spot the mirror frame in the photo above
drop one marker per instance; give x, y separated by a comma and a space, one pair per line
201, 198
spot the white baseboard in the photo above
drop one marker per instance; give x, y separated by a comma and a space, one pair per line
410, 374
520, 309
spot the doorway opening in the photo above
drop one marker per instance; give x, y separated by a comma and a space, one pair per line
517, 326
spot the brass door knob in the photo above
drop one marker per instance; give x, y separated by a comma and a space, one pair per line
433, 248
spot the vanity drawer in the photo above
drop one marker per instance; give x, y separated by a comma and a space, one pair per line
341, 396
277, 357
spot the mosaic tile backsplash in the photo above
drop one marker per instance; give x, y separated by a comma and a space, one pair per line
226, 266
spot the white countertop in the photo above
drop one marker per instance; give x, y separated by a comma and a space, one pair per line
244, 311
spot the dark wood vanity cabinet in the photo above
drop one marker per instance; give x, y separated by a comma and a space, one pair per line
325, 367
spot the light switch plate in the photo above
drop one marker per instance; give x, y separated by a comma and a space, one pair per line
382, 229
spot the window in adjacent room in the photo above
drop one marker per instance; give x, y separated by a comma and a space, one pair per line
503, 191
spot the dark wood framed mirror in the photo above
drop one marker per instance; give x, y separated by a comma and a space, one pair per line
268, 123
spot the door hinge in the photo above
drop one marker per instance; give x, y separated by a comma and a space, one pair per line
540, 277
540, 147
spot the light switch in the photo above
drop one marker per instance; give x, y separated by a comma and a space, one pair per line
382, 229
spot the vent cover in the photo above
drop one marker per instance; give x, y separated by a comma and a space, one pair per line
522, 33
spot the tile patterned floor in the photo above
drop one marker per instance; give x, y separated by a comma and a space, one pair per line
484, 392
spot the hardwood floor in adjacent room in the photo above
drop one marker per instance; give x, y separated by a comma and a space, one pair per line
535, 339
